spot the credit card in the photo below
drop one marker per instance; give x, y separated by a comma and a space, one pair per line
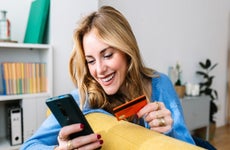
130, 108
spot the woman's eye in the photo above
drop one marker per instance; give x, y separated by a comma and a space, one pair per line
90, 61
108, 55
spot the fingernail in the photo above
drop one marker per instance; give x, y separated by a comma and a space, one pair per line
81, 126
98, 136
101, 141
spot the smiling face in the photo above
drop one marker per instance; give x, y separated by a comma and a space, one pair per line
107, 65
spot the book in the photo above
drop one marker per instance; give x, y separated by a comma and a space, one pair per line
37, 21
1, 81
22, 78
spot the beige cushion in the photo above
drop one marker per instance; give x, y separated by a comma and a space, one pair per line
122, 135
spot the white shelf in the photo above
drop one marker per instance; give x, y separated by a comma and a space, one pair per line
33, 105
5, 145
20, 52
14, 97
24, 46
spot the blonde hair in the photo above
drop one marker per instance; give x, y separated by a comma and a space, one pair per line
114, 30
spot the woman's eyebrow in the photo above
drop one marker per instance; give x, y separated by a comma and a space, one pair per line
103, 50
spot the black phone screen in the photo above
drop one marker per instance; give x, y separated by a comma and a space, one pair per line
67, 112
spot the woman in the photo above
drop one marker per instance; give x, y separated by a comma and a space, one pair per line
107, 69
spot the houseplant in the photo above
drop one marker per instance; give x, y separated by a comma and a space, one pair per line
207, 89
179, 87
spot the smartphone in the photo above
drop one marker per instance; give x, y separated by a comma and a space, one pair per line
67, 112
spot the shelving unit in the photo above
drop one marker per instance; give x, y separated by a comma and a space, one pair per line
196, 112
33, 105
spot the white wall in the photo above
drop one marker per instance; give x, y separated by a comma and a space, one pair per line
17, 13
63, 19
167, 31
187, 31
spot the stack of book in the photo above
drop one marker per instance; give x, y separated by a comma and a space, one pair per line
22, 78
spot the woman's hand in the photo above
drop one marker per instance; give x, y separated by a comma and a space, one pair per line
88, 142
158, 116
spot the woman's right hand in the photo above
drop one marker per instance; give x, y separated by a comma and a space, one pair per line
87, 142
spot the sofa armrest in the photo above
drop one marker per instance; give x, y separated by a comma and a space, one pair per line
125, 135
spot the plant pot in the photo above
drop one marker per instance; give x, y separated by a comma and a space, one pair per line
180, 90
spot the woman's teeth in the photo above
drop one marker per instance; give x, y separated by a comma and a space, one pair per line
108, 78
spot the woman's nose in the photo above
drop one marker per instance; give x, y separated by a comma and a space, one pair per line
100, 67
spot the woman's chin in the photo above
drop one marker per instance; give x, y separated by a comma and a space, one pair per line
110, 91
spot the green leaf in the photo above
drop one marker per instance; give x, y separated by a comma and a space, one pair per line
216, 94
208, 91
205, 75
213, 67
202, 65
207, 64
209, 82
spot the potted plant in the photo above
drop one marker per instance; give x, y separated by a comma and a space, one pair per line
179, 87
206, 89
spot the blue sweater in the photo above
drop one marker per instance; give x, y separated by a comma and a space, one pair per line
45, 137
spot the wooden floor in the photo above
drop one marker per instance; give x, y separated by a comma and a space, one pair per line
222, 138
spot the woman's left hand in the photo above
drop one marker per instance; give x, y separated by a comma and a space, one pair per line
158, 116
